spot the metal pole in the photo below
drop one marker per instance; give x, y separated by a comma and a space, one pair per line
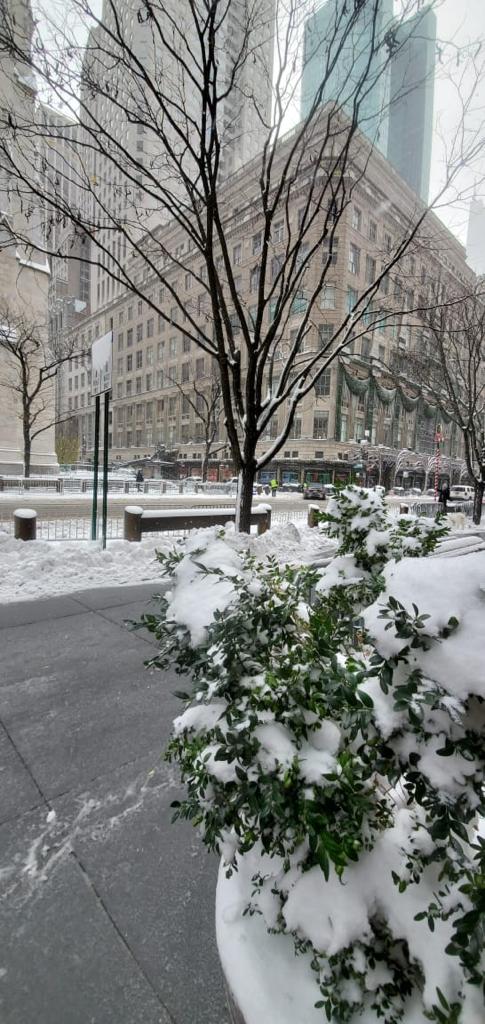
105, 466
94, 516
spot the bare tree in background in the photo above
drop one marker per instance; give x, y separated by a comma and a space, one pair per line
28, 369
450, 373
167, 207
205, 399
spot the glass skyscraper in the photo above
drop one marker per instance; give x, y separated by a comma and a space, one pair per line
348, 53
388, 66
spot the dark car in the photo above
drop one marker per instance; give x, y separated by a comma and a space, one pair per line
315, 492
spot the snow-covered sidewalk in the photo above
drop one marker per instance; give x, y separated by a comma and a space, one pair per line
42, 568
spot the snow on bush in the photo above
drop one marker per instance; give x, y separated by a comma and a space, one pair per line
332, 742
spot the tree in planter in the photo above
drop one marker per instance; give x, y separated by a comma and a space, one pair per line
187, 95
29, 368
67, 446
330, 738
205, 400
452, 367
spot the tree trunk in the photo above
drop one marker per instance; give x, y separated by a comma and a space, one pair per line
477, 501
204, 467
27, 451
245, 498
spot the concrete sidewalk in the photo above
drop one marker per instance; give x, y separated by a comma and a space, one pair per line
106, 909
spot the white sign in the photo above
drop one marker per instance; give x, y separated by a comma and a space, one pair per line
102, 364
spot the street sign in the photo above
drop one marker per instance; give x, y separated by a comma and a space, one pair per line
102, 364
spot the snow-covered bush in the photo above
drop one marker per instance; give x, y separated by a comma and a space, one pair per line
338, 751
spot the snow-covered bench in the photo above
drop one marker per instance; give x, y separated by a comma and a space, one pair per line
138, 521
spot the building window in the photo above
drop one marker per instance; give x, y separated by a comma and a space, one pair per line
352, 297
149, 412
320, 426
254, 278
201, 303
366, 346
140, 307
330, 251
129, 337
119, 390
199, 368
120, 342
185, 405
325, 335
185, 372
160, 378
301, 216
149, 356
148, 382
276, 265
278, 232
129, 363
172, 406
150, 328
382, 353
128, 387
354, 259
188, 282
160, 350
356, 218
299, 304
172, 348
328, 296
370, 270
237, 255
174, 314
186, 345
343, 428
139, 360
138, 385
257, 243
322, 384
295, 431
139, 332
387, 242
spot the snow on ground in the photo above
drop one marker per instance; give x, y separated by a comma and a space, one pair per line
33, 569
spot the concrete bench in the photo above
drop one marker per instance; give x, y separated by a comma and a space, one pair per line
138, 521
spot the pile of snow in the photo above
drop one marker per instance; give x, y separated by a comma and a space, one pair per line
43, 568
32, 569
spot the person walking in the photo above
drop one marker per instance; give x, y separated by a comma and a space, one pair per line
139, 480
274, 487
444, 494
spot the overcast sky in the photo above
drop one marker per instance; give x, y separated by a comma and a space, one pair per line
461, 22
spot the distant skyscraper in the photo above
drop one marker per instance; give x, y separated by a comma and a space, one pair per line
412, 92
336, 51
475, 242
130, 111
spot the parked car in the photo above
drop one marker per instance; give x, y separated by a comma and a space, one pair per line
413, 491
397, 492
315, 492
463, 491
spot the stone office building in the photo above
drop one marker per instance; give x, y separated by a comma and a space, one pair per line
355, 399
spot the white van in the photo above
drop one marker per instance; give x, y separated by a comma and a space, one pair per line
462, 491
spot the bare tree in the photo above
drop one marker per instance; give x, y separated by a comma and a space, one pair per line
28, 368
205, 399
452, 367
186, 75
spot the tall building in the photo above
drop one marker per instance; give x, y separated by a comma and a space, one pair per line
397, 112
24, 270
411, 107
118, 98
475, 242
155, 363
336, 47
